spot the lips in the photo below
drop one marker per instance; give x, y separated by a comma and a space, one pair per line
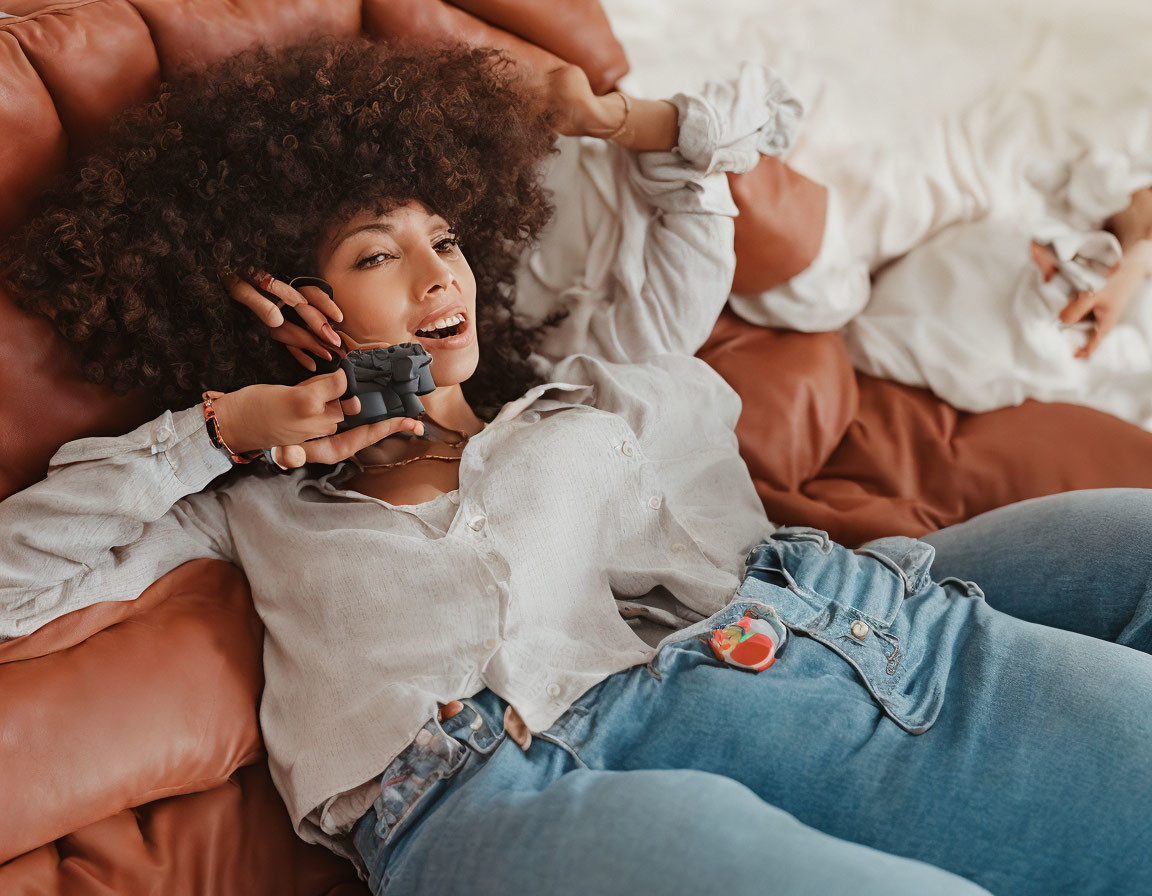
462, 338
441, 314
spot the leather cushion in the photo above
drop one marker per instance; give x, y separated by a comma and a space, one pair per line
161, 703
780, 226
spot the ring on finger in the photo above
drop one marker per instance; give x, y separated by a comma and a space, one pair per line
265, 282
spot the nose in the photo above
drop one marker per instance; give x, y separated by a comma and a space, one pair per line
435, 276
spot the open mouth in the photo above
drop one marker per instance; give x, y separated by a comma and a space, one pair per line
453, 326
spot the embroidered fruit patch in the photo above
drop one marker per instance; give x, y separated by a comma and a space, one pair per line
748, 643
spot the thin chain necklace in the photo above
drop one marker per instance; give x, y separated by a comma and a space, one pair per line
462, 440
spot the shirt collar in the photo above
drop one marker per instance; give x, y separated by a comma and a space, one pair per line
568, 395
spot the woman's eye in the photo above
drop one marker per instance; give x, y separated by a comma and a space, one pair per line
448, 244
373, 260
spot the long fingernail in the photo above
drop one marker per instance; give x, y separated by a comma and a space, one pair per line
331, 336
327, 354
418, 428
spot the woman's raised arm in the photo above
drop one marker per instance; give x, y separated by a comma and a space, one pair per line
640, 250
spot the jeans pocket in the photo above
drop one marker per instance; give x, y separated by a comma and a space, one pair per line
696, 638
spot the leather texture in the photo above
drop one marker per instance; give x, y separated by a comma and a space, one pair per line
130, 759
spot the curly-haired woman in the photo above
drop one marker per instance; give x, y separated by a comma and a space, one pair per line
456, 696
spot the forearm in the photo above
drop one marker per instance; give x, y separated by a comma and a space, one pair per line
100, 526
641, 125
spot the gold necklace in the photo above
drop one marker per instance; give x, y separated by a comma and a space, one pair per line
462, 441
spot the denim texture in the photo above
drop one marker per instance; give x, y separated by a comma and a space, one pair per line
904, 713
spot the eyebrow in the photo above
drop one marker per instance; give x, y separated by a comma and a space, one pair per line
377, 226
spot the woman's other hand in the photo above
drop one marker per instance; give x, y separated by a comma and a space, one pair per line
1108, 303
310, 302
298, 423
576, 110
636, 124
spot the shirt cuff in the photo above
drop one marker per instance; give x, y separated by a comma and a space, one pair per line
730, 124
183, 438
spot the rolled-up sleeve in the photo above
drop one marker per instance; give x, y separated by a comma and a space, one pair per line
640, 253
112, 516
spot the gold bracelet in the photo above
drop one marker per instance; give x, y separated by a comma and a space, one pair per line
216, 435
624, 121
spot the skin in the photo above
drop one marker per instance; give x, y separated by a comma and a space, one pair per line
387, 278
1133, 228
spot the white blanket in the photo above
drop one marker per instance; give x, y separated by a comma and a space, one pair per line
923, 116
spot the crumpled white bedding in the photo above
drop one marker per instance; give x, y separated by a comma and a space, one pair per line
937, 127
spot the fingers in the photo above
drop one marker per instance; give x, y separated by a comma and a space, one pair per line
326, 386
311, 303
314, 317
292, 335
1078, 308
304, 359
1104, 324
289, 457
319, 299
248, 295
1044, 259
335, 448
318, 323
351, 406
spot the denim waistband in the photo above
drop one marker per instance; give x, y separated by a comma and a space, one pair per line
442, 753
863, 604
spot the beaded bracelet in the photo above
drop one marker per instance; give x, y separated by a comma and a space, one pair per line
217, 437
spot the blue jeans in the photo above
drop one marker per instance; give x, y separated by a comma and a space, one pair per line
905, 719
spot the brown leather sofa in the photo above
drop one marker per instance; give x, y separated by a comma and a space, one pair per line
130, 754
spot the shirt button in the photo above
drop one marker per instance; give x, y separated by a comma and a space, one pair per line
492, 589
553, 690
489, 643
531, 417
654, 502
477, 523
163, 434
677, 548
860, 630
627, 449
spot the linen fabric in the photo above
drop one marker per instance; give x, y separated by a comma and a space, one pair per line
609, 481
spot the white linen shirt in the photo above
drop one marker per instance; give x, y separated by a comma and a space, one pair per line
616, 477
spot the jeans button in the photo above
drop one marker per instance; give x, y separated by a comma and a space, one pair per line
860, 630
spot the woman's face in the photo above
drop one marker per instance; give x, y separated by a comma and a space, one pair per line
395, 276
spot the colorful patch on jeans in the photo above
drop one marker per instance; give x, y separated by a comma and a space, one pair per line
748, 643
432, 755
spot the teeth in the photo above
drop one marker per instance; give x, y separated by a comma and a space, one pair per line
444, 323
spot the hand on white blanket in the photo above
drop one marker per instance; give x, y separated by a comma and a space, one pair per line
1108, 303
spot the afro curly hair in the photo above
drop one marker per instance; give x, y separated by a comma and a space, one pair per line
242, 167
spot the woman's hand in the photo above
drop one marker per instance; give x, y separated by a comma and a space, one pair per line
1108, 303
638, 124
576, 110
298, 423
311, 303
